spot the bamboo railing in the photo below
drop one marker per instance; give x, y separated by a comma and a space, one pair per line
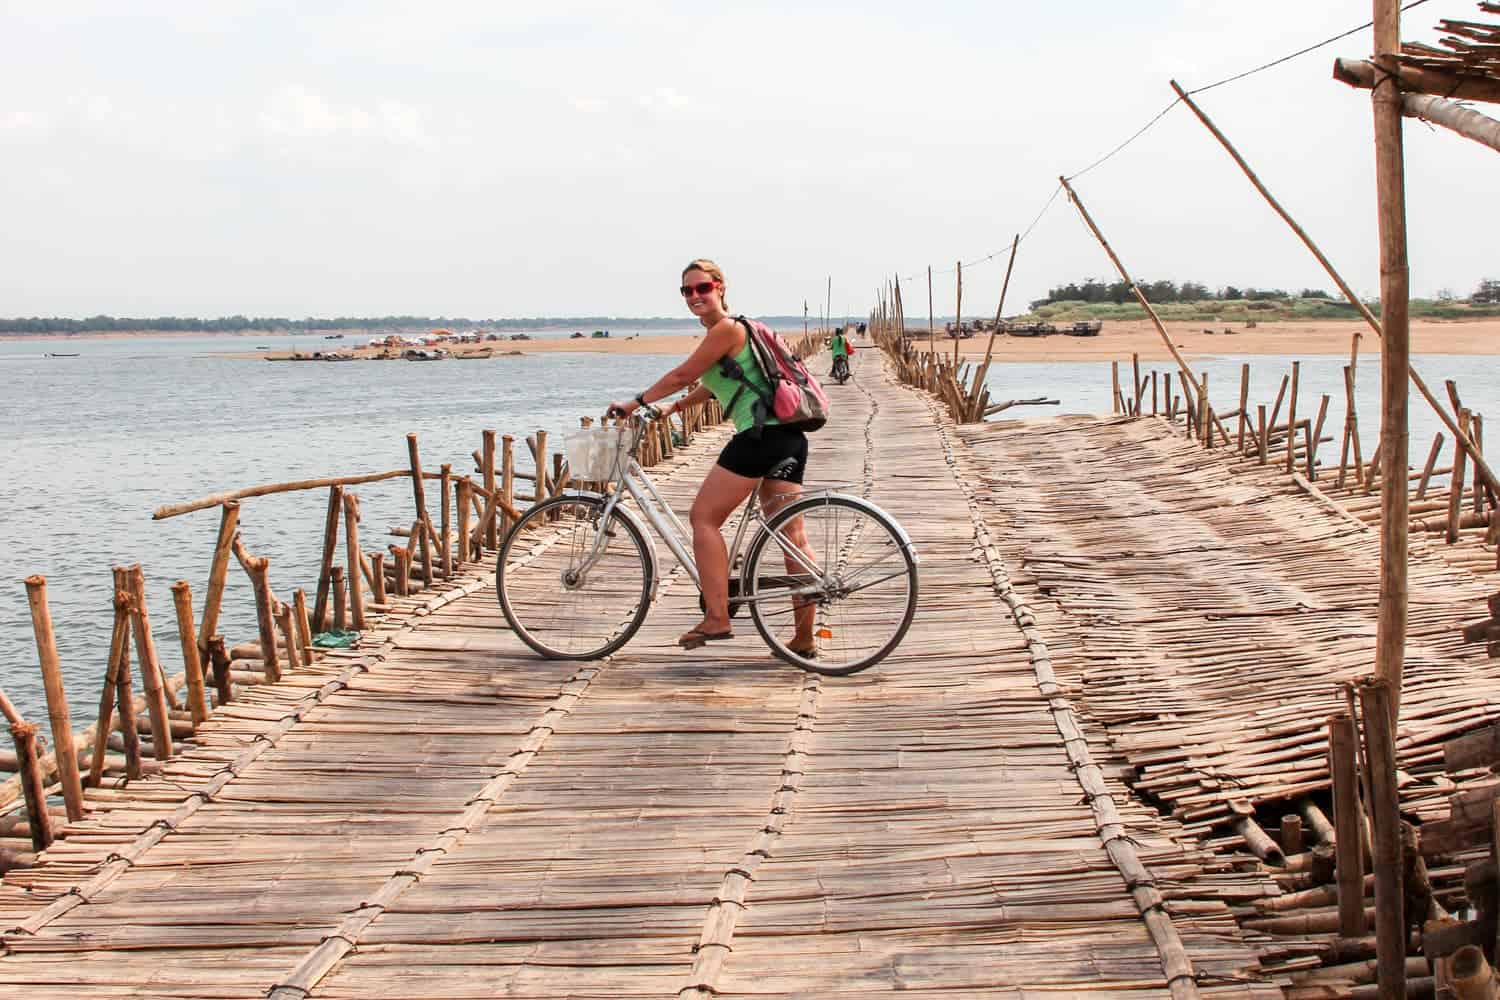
135, 729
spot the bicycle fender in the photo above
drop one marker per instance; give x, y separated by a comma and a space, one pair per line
626, 514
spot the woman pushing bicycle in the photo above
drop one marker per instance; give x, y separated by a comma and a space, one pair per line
763, 451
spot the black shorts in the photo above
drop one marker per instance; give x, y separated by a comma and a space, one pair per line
779, 453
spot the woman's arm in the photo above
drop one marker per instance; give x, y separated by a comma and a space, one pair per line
726, 338
698, 395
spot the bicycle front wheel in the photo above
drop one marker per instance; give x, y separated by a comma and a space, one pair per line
572, 586
856, 570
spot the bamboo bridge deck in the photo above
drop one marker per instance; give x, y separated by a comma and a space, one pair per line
439, 813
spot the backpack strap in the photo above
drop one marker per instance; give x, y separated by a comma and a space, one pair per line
730, 369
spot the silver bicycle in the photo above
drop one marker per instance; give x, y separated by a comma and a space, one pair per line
577, 574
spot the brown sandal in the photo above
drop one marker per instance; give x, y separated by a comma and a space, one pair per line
693, 638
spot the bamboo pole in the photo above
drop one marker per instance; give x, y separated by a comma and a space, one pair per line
32, 786
1348, 822
487, 468
419, 496
445, 542
57, 698
377, 577
1432, 457
340, 620
124, 690
1262, 434
219, 657
260, 491
1395, 360
1204, 427
1291, 414
151, 673
192, 663
355, 560
1378, 706
1419, 80
1476, 432
288, 636
257, 568
507, 485
299, 601
1449, 420
1315, 437
1456, 482
464, 494
1114, 387
119, 646
218, 571
330, 546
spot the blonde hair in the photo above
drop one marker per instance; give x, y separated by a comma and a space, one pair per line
713, 270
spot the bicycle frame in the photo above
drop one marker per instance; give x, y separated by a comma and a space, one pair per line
633, 481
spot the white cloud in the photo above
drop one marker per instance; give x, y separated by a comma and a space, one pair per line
589, 105
295, 111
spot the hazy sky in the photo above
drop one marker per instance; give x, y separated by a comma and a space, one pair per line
507, 159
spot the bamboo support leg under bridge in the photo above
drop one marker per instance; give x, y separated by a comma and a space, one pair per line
440, 813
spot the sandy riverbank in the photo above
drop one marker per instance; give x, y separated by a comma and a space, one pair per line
1118, 341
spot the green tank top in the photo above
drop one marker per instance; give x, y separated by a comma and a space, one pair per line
840, 347
725, 389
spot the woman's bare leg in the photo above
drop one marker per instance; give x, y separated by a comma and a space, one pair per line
722, 491
774, 495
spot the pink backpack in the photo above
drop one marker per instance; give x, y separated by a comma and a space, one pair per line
796, 398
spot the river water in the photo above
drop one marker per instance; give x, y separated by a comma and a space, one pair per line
97, 442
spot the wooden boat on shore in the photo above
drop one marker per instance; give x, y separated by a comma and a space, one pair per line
479, 355
1085, 328
52, 355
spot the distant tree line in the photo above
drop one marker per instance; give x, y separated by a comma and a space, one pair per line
1118, 292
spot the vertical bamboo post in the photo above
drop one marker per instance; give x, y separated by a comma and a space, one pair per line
1153, 392
218, 571
351, 546
1351, 429
1135, 368
119, 646
257, 568
151, 672
931, 321
288, 636
1263, 434
1204, 427
445, 537
465, 492
1291, 417
1114, 387
1291, 835
419, 497
1244, 406
1476, 434
124, 690
487, 469
304, 627
32, 786
1395, 369
377, 576
1348, 824
507, 483
219, 657
330, 543
1378, 707
192, 663
340, 621
958, 312
1456, 480
57, 698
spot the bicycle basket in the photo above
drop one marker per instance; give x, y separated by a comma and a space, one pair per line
596, 453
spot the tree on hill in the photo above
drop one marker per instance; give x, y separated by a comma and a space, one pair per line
1488, 292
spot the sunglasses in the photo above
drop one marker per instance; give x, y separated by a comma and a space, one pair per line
701, 288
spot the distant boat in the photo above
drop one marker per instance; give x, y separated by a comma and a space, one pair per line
50, 355
333, 336
262, 347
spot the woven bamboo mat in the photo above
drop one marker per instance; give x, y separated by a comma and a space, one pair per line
1209, 614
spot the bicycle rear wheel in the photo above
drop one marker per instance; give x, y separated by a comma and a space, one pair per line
568, 591
862, 580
